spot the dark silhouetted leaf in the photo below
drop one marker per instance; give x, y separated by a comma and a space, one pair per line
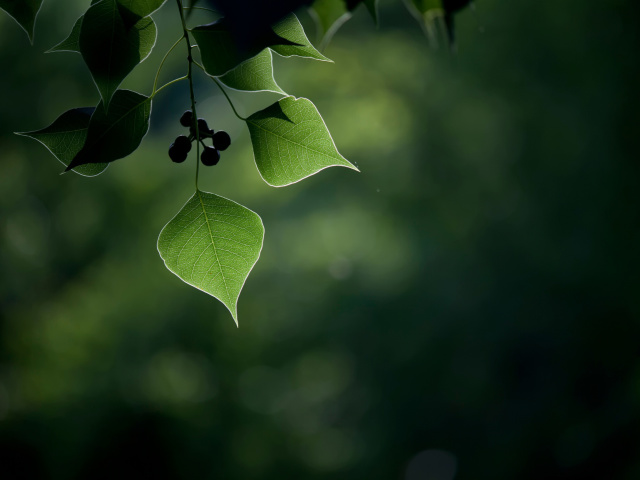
24, 12
66, 136
221, 51
115, 133
133, 10
71, 43
109, 49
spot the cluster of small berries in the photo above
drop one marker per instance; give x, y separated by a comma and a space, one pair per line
181, 147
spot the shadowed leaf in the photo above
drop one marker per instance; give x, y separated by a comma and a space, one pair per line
24, 12
109, 49
292, 148
255, 74
221, 51
66, 136
117, 133
291, 29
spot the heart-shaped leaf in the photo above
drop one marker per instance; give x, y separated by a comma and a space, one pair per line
111, 50
115, 133
291, 142
255, 75
66, 136
212, 244
291, 29
24, 12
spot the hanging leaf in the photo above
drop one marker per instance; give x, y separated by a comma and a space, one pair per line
24, 12
65, 137
255, 75
117, 133
212, 244
71, 43
291, 29
109, 49
291, 142
221, 51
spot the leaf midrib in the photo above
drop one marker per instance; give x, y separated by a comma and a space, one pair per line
215, 250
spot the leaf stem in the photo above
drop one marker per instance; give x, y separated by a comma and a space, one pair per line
185, 31
167, 84
164, 59
217, 82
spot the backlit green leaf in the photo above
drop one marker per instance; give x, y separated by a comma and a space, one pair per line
24, 12
109, 49
291, 142
212, 244
291, 29
255, 74
221, 51
115, 133
66, 136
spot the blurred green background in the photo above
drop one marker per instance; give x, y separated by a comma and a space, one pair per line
466, 307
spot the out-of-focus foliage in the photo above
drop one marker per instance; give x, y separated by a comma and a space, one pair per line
466, 305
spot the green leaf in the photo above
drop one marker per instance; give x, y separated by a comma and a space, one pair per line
117, 133
24, 12
109, 49
71, 43
255, 75
66, 136
212, 244
434, 20
291, 29
221, 51
291, 142
329, 16
133, 10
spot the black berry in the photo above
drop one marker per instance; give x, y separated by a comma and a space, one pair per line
176, 154
183, 143
210, 156
221, 140
203, 128
186, 119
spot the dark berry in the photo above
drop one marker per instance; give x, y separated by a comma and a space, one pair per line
203, 128
186, 119
210, 156
221, 140
176, 154
183, 143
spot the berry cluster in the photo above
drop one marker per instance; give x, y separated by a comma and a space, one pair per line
181, 147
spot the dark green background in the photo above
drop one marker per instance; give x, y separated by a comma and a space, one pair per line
474, 290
